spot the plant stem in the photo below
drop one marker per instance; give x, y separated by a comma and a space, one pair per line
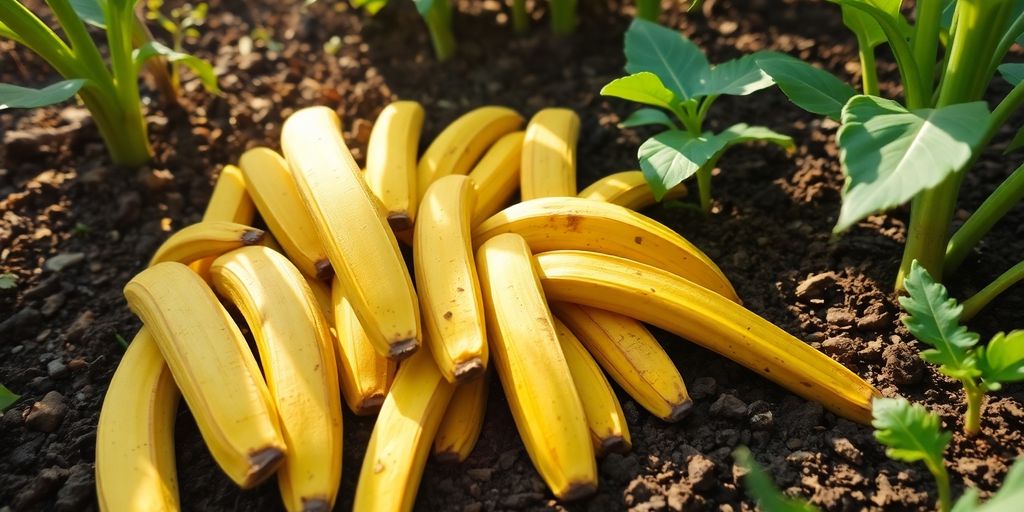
439, 24
131, 145
520, 20
40, 38
926, 41
1005, 197
563, 16
938, 470
1009, 36
81, 43
975, 401
976, 303
868, 70
648, 9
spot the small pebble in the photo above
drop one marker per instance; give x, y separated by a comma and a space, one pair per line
47, 414
63, 261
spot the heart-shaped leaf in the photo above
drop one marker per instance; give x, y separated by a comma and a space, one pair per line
810, 88
643, 87
200, 67
672, 156
13, 96
677, 61
648, 116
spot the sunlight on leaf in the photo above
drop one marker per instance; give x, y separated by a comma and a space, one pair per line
13, 96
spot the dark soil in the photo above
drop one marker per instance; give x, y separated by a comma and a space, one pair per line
74, 229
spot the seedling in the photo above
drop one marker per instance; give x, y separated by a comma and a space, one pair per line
437, 14
918, 150
934, 318
7, 398
111, 93
182, 23
910, 433
670, 72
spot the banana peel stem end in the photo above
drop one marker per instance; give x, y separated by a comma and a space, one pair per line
399, 221
680, 411
469, 370
262, 463
315, 505
253, 236
324, 270
614, 444
578, 490
403, 349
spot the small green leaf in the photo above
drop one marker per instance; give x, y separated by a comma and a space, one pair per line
13, 96
121, 341
1002, 360
812, 89
423, 6
7, 398
643, 87
91, 12
910, 432
646, 116
676, 60
761, 488
1013, 73
672, 156
864, 25
370, 7
8, 281
934, 318
737, 77
741, 132
890, 154
200, 67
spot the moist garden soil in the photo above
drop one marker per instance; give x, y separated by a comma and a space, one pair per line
74, 229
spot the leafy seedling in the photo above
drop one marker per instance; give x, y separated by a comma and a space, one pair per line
934, 319
7, 398
182, 23
761, 488
670, 72
437, 14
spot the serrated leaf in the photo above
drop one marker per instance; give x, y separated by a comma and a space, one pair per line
676, 60
13, 96
812, 89
934, 319
760, 487
91, 12
7, 398
737, 77
1002, 360
863, 24
648, 116
1013, 72
910, 432
200, 67
672, 156
643, 87
890, 154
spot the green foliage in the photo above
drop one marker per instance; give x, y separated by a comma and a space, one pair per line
12, 96
760, 487
8, 281
7, 398
121, 341
648, 116
1007, 499
911, 433
812, 89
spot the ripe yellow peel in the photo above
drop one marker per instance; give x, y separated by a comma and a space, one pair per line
549, 154
628, 189
135, 436
496, 177
391, 161
402, 437
449, 291
564, 223
214, 369
297, 356
277, 198
608, 430
205, 239
458, 147
463, 421
533, 370
230, 201
352, 228
672, 303
365, 374
631, 356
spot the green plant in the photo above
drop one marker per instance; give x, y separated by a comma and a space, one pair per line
934, 319
8, 281
111, 93
7, 398
437, 14
670, 72
911, 434
181, 23
918, 150
563, 16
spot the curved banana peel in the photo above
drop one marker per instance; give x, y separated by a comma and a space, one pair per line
463, 421
496, 177
549, 154
391, 161
366, 375
204, 239
628, 189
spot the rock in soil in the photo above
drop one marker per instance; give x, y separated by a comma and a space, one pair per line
78, 490
46, 414
815, 286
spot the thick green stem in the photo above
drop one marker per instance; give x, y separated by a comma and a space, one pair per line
38, 37
520, 20
975, 402
132, 146
976, 303
1009, 37
81, 43
563, 16
926, 41
1002, 200
439, 24
938, 470
868, 69
648, 9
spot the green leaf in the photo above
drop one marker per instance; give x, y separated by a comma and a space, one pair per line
910, 432
968, 501
1009, 497
672, 156
200, 67
677, 61
13, 96
1002, 360
371, 7
934, 318
761, 488
740, 133
812, 89
121, 341
91, 12
8, 281
1017, 142
423, 6
864, 25
7, 398
643, 87
737, 77
646, 116
890, 154
1013, 73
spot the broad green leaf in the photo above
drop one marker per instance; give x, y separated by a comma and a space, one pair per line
672, 156
934, 319
646, 116
761, 488
737, 77
371, 7
91, 12
642, 87
909, 431
1013, 73
740, 133
13, 96
810, 88
677, 61
865, 26
890, 154
1002, 360
968, 501
423, 6
200, 67
7, 33
7, 398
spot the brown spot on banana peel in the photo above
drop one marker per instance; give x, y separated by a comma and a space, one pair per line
403, 349
578, 490
324, 270
253, 236
263, 462
315, 505
471, 369
572, 222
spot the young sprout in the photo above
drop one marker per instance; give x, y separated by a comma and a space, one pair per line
7, 398
182, 23
520, 20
